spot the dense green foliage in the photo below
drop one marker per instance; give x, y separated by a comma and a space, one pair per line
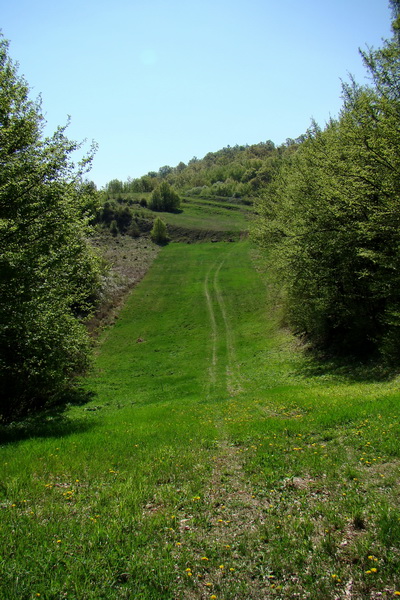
159, 233
121, 217
48, 274
331, 219
164, 198
238, 172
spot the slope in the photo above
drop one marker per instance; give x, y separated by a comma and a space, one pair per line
211, 463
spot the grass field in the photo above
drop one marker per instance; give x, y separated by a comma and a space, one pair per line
214, 461
205, 215
209, 216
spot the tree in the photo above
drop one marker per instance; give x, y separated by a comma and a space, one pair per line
114, 186
164, 171
331, 219
164, 198
159, 233
49, 275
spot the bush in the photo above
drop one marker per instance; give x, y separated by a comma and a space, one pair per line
49, 277
133, 229
164, 198
159, 233
114, 228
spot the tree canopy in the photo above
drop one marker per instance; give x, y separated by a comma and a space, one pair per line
331, 218
48, 274
164, 198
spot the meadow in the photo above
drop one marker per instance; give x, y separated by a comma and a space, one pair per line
212, 459
198, 216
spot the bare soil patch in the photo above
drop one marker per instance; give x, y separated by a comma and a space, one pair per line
127, 260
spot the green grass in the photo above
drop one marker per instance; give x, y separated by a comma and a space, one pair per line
209, 216
205, 215
210, 461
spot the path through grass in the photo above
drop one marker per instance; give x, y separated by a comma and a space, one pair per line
210, 462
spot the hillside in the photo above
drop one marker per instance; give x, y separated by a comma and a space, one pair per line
226, 426
233, 174
214, 461
129, 251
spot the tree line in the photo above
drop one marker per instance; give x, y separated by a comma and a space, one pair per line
49, 274
330, 218
232, 172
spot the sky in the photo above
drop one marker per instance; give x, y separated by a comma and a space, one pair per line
156, 82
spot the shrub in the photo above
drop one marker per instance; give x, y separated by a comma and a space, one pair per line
159, 233
164, 198
114, 228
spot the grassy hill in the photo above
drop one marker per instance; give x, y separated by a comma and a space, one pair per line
215, 459
197, 219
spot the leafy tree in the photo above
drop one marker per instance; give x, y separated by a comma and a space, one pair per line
48, 274
331, 218
164, 171
159, 233
164, 198
156, 202
115, 186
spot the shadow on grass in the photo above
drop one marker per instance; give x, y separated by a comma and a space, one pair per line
49, 422
348, 369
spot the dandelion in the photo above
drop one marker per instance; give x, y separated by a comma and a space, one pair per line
209, 584
221, 567
204, 558
397, 593
374, 570
213, 597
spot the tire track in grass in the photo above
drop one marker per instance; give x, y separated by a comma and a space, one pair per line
232, 366
219, 536
222, 345
214, 334
219, 531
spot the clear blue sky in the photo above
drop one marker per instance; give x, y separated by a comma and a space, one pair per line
155, 82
